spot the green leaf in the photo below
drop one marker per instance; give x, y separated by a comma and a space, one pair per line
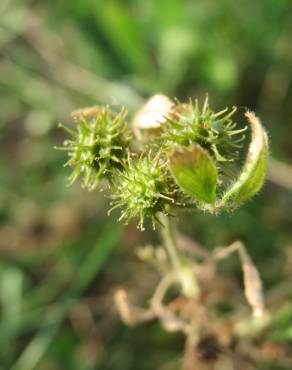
254, 170
195, 172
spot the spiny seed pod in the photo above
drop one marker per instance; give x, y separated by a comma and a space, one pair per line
214, 131
98, 145
196, 172
143, 188
189, 157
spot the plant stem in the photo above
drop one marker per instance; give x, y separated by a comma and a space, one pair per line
184, 275
170, 245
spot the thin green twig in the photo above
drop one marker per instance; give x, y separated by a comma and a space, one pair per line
166, 231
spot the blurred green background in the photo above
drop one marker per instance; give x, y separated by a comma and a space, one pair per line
61, 257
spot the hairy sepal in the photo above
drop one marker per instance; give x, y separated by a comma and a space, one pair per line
254, 170
195, 173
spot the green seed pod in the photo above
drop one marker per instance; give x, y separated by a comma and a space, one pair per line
196, 172
189, 157
142, 189
98, 145
214, 131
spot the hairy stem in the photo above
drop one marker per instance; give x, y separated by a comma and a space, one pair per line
170, 244
184, 274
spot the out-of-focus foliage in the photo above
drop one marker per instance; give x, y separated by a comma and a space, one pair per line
56, 56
